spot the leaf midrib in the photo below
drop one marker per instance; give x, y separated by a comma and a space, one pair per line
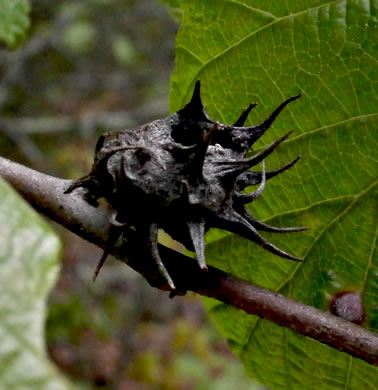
337, 217
289, 279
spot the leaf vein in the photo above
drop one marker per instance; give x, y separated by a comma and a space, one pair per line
253, 33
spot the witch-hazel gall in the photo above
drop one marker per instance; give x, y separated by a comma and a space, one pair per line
184, 174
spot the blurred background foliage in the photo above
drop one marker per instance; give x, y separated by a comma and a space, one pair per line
87, 67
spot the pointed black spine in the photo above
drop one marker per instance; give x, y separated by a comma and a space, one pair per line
251, 178
241, 120
235, 223
256, 132
267, 228
195, 110
248, 198
197, 234
268, 150
231, 169
114, 234
153, 244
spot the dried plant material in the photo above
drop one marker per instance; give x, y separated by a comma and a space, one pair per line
184, 174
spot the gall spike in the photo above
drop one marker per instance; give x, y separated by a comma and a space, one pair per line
241, 120
184, 174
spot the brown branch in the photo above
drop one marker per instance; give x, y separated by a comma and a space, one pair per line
45, 193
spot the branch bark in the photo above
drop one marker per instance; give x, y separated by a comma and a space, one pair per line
46, 194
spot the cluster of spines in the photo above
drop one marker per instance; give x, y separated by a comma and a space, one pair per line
234, 172
235, 218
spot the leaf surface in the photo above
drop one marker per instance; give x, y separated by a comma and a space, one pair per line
14, 21
29, 252
264, 52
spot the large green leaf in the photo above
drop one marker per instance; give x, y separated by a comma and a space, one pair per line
28, 268
14, 21
266, 51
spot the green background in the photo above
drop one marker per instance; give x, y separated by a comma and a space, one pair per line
265, 52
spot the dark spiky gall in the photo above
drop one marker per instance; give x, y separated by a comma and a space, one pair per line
184, 174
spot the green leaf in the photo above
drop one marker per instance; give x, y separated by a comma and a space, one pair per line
14, 21
261, 51
29, 252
